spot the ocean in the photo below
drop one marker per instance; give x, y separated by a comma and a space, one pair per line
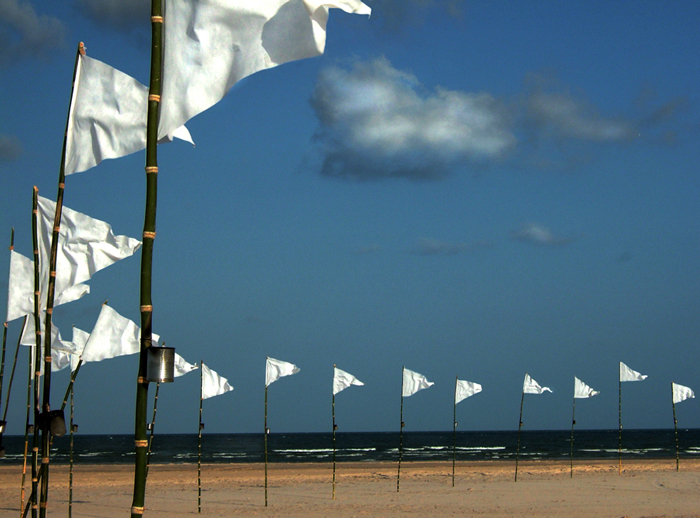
370, 446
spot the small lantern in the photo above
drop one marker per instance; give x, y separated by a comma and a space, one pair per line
57, 423
161, 364
201, 426
3, 424
2, 452
30, 429
75, 428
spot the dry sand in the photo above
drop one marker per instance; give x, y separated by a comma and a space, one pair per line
484, 488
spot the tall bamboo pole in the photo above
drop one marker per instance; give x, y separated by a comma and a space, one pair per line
675, 428
520, 426
2, 361
334, 429
37, 358
26, 421
266, 433
573, 422
152, 428
70, 476
149, 234
398, 473
199, 440
619, 420
12, 373
454, 433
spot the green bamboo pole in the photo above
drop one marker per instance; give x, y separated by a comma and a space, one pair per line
675, 428
454, 432
12, 374
573, 422
398, 473
70, 471
520, 426
334, 429
152, 428
266, 433
149, 234
69, 390
199, 440
619, 420
26, 421
2, 361
37, 358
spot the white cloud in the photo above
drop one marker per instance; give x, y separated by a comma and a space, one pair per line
537, 234
10, 148
24, 33
432, 246
123, 15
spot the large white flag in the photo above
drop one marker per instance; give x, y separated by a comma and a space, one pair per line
464, 389
182, 367
413, 382
681, 393
275, 369
107, 116
113, 335
20, 287
85, 246
627, 374
213, 384
212, 44
342, 380
530, 386
581, 390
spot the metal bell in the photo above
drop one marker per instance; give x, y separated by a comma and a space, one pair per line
161, 364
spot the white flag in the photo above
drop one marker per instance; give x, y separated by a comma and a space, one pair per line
464, 389
212, 44
581, 390
342, 380
213, 384
113, 335
627, 374
107, 116
413, 382
85, 246
20, 287
530, 386
275, 369
182, 367
681, 393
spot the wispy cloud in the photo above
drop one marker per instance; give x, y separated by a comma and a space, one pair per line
24, 33
537, 234
378, 122
122, 15
10, 148
397, 14
432, 246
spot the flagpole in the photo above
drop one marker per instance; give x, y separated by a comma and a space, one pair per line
151, 427
149, 234
2, 361
199, 440
454, 435
26, 422
70, 471
573, 422
9, 385
37, 358
619, 419
520, 425
266, 431
675, 427
398, 474
334, 429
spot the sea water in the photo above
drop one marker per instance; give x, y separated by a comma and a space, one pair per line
371, 446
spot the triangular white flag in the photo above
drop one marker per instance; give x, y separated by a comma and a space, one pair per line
182, 367
342, 380
581, 390
20, 287
113, 335
681, 393
107, 116
464, 389
275, 369
413, 382
627, 374
530, 386
213, 384
212, 44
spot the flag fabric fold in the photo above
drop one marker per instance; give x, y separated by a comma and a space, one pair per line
343, 380
413, 382
530, 386
627, 374
182, 367
465, 389
20, 287
112, 336
681, 393
212, 44
581, 390
213, 384
276, 369
107, 116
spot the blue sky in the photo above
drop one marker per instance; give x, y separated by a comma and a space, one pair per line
481, 189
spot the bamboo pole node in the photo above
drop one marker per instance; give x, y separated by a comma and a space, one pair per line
61, 185
141, 380
35, 448
154, 97
57, 228
157, 19
52, 273
146, 309
141, 444
81, 48
137, 510
49, 311
5, 324
152, 169
12, 247
44, 505
37, 293
48, 359
44, 460
149, 235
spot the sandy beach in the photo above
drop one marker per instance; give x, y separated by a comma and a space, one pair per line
649, 488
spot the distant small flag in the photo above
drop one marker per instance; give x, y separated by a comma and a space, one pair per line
466, 389
413, 382
681, 393
343, 380
276, 369
627, 374
530, 386
182, 367
213, 384
581, 390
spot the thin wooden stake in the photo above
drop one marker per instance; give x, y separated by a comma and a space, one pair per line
520, 426
619, 420
398, 473
573, 422
334, 429
70, 476
199, 440
12, 377
675, 427
30, 376
266, 433
37, 358
454, 433
152, 428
